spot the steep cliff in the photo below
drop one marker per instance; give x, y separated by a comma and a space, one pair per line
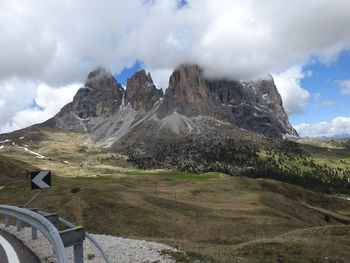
255, 105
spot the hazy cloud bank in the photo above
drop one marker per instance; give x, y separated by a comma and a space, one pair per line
338, 126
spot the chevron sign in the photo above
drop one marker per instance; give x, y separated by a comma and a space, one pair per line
40, 179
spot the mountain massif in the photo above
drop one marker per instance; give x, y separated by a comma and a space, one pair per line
191, 105
197, 125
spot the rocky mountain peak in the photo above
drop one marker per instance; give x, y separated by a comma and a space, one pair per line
255, 105
187, 93
100, 97
100, 78
189, 102
141, 93
188, 83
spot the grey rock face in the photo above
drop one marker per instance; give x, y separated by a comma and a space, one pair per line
187, 93
100, 97
255, 106
190, 100
141, 93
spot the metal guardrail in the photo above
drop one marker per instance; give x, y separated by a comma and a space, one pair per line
38, 222
97, 245
46, 223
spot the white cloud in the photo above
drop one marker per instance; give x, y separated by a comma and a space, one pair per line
338, 126
345, 87
58, 42
50, 101
53, 99
161, 77
293, 96
15, 95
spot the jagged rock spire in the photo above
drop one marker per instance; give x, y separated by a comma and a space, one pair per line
141, 93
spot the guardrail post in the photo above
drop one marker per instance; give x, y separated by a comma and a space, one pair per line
91, 238
34, 230
34, 233
6, 220
19, 225
53, 218
78, 253
74, 237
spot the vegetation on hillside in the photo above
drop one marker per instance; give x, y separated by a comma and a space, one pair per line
277, 159
341, 143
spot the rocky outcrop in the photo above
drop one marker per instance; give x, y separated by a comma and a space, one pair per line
100, 97
255, 106
187, 93
141, 93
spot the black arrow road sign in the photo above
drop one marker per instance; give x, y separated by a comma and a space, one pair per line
40, 179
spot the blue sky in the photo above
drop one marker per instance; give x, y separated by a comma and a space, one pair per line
324, 86
126, 73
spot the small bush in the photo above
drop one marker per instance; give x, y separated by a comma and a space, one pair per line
75, 190
326, 218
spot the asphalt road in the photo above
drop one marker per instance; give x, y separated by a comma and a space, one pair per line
12, 250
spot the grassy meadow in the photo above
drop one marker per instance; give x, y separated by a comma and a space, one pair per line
214, 218
211, 217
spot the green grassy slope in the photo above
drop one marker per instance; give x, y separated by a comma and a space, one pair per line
216, 218
66, 153
298, 163
12, 169
211, 216
328, 154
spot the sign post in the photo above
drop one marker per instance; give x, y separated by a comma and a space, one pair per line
39, 180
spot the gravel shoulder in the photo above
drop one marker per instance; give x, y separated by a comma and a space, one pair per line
121, 250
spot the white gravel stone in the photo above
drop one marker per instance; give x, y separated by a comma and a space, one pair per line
121, 250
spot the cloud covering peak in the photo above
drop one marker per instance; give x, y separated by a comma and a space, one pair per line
58, 42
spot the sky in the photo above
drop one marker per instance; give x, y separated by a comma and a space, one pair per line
47, 48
